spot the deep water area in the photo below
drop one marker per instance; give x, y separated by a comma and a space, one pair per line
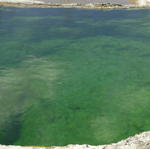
73, 76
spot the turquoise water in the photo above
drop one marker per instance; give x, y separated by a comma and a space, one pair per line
72, 76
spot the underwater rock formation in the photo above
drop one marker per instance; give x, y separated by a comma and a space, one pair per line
140, 141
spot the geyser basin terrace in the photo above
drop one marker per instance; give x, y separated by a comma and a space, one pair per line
72, 76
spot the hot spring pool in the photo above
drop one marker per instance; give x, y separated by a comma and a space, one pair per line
73, 76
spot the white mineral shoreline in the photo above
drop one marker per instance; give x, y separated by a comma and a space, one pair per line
41, 4
140, 141
22, 1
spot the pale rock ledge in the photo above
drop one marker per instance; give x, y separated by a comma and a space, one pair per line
144, 2
140, 141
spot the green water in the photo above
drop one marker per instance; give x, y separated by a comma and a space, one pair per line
72, 76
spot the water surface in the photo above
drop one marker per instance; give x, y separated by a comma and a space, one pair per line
72, 76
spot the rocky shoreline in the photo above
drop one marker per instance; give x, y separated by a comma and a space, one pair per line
140, 141
39, 4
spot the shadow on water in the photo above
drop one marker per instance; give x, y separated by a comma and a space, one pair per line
11, 130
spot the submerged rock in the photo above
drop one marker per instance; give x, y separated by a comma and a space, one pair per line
140, 141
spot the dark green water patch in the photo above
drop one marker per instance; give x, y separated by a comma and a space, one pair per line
10, 130
72, 76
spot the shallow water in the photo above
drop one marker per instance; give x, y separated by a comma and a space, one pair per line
72, 76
